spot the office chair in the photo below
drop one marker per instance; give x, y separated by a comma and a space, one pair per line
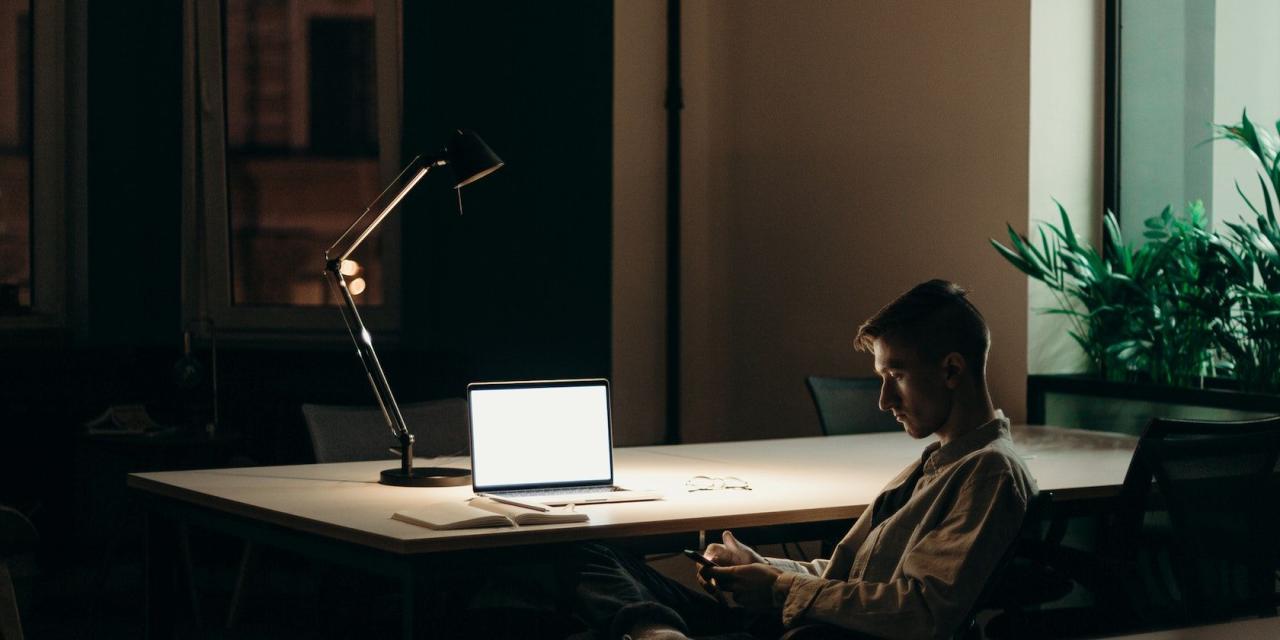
351, 434
18, 541
849, 405
968, 628
348, 434
1219, 487
1196, 546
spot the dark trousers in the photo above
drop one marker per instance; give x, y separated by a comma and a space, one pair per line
612, 591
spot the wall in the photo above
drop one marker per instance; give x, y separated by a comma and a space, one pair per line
1065, 159
134, 177
520, 284
838, 154
708, 381
639, 222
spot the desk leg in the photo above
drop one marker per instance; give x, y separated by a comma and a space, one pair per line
161, 575
425, 602
414, 610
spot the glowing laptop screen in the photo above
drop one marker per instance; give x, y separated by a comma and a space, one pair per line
530, 434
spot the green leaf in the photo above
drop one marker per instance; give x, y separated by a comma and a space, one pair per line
1016, 260
1246, 199
1029, 254
1051, 254
1068, 233
1266, 198
1249, 135
1196, 215
1111, 227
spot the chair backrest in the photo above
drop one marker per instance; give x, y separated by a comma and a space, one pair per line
346, 434
849, 405
1216, 484
1037, 507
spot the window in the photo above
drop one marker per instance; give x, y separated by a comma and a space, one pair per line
33, 40
305, 139
1182, 65
15, 157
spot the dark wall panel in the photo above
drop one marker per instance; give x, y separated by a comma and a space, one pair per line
134, 171
521, 281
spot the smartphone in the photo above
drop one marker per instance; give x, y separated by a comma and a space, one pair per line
699, 558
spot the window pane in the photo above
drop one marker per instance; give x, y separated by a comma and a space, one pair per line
1246, 66
1185, 64
302, 146
15, 157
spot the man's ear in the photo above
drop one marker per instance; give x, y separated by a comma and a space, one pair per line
953, 365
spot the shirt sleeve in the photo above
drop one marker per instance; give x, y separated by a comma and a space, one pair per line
940, 577
812, 567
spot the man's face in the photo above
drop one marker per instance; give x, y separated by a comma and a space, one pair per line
914, 390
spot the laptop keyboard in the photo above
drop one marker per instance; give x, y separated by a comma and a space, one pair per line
562, 491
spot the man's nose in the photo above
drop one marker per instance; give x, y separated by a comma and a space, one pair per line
887, 398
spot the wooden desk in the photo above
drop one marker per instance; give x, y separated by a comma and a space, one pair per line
339, 513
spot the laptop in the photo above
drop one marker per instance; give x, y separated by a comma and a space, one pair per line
545, 441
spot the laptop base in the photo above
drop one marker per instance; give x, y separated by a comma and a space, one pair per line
426, 477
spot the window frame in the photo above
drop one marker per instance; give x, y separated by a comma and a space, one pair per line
53, 38
206, 254
1111, 110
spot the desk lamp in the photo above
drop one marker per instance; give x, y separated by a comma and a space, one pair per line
470, 159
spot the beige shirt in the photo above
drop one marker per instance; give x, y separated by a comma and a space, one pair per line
919, 572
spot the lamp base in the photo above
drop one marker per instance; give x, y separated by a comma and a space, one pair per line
426, 477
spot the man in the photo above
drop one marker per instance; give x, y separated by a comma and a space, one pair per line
915, 561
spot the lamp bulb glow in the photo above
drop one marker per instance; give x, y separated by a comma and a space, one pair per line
357, 286
350, 268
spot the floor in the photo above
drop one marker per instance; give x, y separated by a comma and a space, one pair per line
102, 598
99, 596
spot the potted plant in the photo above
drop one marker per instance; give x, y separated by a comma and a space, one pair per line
1189, 320
1253, 336
1152, 313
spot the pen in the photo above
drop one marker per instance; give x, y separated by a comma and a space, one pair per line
515, 503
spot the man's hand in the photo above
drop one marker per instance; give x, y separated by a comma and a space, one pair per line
729, 554
750, 584
732, 552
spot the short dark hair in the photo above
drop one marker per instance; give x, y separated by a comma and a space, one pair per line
936, 318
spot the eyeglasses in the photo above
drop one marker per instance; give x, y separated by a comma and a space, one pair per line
712, 483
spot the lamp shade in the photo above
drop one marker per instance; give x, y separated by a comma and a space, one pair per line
470, 158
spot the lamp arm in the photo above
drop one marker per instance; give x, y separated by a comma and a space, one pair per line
368, 356
421, 168
351, 316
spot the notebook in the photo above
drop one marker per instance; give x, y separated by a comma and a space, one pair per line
544, 441
481, 512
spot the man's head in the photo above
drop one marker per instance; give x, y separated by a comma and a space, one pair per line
930, 347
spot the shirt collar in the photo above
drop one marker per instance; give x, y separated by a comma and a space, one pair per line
937, 456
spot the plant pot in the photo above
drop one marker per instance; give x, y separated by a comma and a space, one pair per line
1089, 402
